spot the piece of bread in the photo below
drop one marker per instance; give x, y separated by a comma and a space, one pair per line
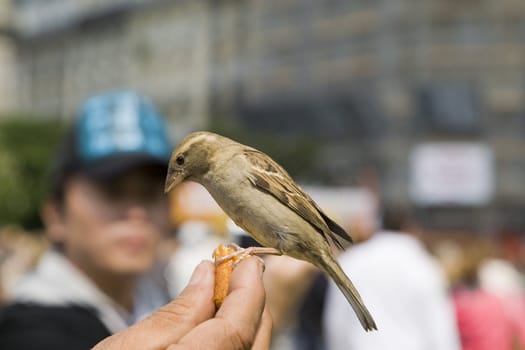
223, 271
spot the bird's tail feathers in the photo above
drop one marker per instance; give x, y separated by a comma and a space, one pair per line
351, 294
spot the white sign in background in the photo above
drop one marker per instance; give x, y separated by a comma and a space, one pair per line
459, 173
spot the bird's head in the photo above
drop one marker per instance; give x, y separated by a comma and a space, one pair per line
191, 159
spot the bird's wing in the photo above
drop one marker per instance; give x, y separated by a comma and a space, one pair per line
268, 176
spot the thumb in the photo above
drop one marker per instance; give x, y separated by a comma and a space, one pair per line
193, 306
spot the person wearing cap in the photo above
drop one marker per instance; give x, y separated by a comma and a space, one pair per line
105, 215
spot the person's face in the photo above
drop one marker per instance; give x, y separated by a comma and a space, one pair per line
114, 226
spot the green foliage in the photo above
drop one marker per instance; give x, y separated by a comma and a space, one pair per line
26, 146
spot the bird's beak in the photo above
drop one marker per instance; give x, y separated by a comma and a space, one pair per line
172, 180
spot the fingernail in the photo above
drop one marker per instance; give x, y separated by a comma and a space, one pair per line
199, 274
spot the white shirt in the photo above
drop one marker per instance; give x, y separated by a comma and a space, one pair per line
56, 281
405, 291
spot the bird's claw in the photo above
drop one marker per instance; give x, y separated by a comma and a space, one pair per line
240, 253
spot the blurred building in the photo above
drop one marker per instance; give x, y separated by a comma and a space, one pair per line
8, 102
372, 81
68, 49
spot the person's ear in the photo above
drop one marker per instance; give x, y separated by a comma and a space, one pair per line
53, 220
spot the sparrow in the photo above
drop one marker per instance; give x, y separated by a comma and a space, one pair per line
262, 199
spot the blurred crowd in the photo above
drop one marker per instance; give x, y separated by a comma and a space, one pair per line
483, 285
115, 243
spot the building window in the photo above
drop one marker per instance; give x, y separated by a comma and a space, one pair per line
450, 108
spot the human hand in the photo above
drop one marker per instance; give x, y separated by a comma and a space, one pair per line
190, 321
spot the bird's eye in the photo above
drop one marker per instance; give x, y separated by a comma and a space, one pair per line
180, 160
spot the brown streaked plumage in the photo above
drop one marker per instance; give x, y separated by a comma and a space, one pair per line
260, 197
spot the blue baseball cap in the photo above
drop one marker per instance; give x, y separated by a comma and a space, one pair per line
114, 132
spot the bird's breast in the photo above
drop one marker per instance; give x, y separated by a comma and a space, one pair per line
264, 217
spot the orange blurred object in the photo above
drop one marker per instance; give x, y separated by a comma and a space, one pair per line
191, 202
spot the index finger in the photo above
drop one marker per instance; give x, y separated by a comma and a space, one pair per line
237, 321
171, 322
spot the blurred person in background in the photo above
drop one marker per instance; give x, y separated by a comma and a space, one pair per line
404, 287
489, 300
288, 282
105, 216
501, 276
19, 253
